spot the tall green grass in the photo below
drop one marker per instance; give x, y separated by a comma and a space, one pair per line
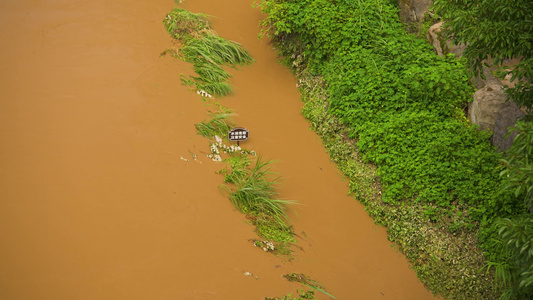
208, 52
253, 193
216, 50
218, 125
182, 24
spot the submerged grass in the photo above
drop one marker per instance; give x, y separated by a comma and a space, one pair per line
182, 24
250, 185
310, 295
213, 49
218, 125
251, 188
308, 281
208, 52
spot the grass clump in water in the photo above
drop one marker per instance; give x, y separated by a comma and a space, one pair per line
218, 125
208, 52
216, 50
310, 295
251, 189
308, 281
182, 24
250, 186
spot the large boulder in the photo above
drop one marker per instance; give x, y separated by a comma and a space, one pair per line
487, 102
507, 116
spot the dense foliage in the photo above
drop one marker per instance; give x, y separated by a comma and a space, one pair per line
401, 101
514, 265
496, 30
404, 106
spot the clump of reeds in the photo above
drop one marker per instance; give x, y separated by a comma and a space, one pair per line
182, 24
219, 124
208, 52
308, 281
216, 50
254, 194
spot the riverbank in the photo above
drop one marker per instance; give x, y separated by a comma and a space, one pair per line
379, 95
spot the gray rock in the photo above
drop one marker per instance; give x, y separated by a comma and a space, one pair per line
507, 116
486, 104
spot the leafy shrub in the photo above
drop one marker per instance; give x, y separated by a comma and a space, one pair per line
424, 156
402, 102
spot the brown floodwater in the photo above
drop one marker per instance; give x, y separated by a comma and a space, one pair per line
96, 201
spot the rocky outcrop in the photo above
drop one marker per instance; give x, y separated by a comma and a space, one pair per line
412, 12
489, 97
507, 116
486, 105
489, 108
442, 46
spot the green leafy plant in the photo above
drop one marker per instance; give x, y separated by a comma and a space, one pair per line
518, 163
515, 274
513, 236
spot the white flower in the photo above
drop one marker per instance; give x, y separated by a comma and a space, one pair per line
218, 139
214, 149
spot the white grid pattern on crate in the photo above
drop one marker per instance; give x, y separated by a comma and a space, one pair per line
238, 135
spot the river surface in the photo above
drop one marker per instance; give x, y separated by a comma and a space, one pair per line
96, 201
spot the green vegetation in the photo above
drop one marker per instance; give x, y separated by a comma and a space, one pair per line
253, 193
381, 96
439, 242
219, 124
513, 261
206, 51
495, 29
306, 280
382, 83
302, 295
250, 185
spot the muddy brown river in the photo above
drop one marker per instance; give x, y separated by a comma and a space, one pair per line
96, 201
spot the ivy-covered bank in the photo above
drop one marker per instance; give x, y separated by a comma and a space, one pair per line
391, 114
